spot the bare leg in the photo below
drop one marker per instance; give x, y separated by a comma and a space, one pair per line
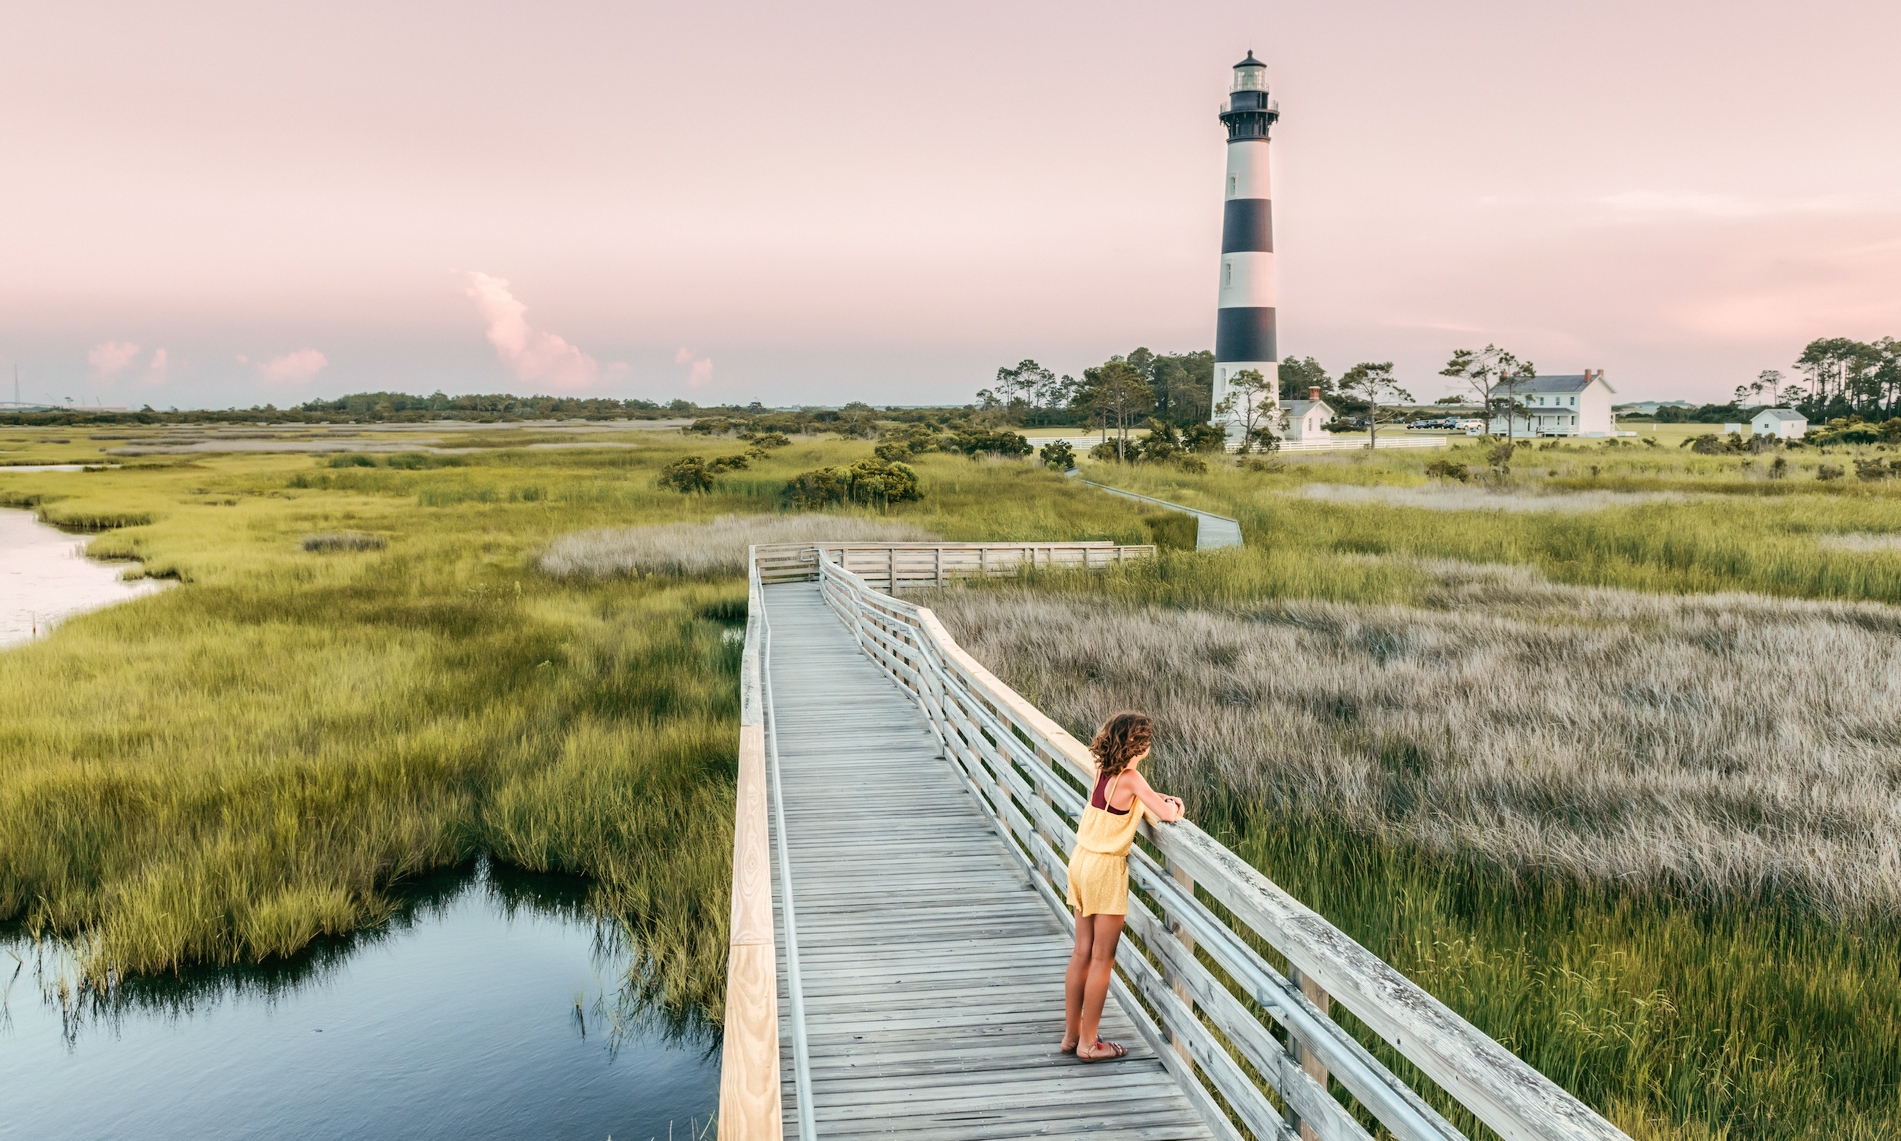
1102, 959
1073, 980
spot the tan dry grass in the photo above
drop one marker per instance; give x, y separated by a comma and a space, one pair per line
1441, 495
1861, 542
718, 547
1722, 744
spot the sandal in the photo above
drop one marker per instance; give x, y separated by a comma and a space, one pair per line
1111, 1051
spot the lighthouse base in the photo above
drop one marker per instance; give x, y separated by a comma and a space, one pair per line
1248, 398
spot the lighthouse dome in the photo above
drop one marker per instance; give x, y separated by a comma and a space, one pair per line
1250, 75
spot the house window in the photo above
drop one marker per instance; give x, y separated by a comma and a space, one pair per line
1231, 181
1574, 402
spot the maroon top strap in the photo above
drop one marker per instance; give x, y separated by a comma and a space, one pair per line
1100, 797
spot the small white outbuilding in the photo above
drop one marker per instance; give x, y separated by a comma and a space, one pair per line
1306, 417
1782, 423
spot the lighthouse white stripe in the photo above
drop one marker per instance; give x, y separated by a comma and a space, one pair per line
1247, 169
1247, 279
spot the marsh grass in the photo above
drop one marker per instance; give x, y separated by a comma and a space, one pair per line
1703, 747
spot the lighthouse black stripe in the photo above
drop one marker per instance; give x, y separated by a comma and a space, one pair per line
1247, 226
1245, 333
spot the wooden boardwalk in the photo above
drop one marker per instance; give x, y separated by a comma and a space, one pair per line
932, 969
1211, 532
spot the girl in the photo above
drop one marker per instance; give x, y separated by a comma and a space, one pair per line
1099, 876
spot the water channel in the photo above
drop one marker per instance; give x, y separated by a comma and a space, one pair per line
491, 1007
45, 578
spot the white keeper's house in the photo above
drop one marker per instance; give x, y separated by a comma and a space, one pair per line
1305, 417
1782, 423
1577, 405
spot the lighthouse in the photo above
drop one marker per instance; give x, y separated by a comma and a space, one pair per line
1244, 325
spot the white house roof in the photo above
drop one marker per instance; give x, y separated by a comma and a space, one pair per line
1782, 414
1298, 409
1548, 384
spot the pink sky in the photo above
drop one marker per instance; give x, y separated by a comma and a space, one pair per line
239, 203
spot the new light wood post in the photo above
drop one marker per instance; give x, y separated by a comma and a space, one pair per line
749, 1108
1303, 1056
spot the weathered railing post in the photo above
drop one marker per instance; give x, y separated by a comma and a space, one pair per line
1182, 935
1304, 1056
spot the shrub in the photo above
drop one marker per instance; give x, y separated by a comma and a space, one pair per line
1109, 451
1261, 465
343, 541
768, 440
1828, 471
687, 475
1191, 463
1204, 438
727, 463
875, 482
906, 440
1446, 469
354, 459
1708, 444
1058, 455
1779, 469
1870, 470
975, 442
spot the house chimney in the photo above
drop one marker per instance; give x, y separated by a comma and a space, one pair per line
1313, 394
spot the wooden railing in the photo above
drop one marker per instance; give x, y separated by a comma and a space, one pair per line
1254, 1048
893, 566
749, 1097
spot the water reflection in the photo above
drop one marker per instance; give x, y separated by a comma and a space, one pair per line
493, 1005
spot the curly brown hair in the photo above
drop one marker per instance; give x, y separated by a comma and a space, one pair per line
1121, 739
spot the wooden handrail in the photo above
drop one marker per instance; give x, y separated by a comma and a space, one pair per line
749, 1102
1027, 771
894, 566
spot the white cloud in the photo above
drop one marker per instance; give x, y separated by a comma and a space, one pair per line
109, 358
159, 370
293, 368
535, 355
702, 370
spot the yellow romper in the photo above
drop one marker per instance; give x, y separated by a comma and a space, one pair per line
1099, 867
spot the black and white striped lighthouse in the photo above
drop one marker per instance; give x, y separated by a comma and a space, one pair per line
1244, 327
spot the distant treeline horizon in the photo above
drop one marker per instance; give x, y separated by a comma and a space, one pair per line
1839, 377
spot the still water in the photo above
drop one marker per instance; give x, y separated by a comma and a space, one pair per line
45, 578
490, 1008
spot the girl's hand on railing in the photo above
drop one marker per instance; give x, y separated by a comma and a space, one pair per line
1181, 809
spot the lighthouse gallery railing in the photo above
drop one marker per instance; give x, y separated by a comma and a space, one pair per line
1223, 1019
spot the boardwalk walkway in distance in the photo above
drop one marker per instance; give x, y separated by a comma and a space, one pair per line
1212, 530
932, 970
